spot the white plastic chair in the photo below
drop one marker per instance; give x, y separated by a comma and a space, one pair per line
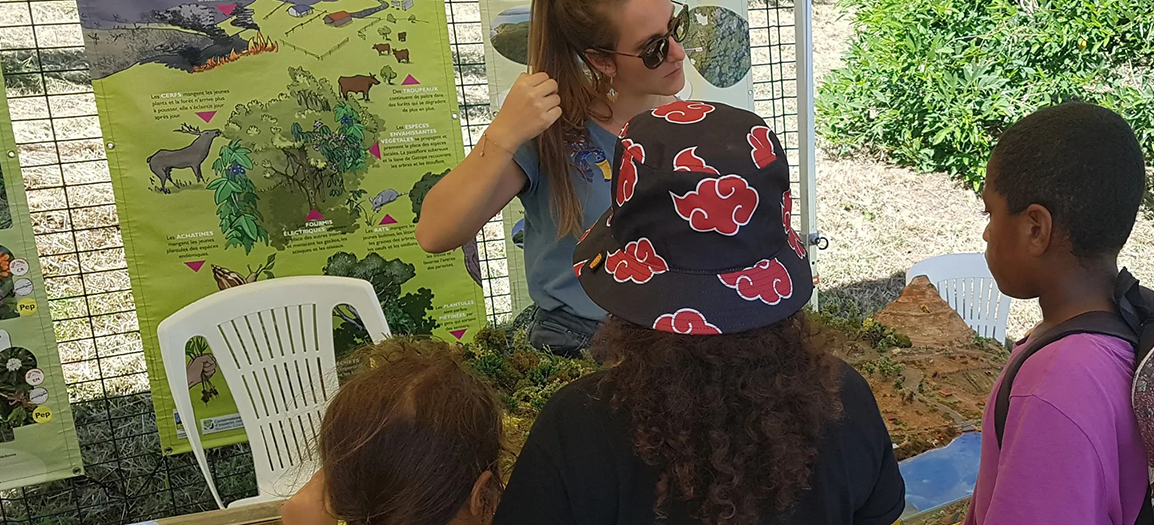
273, 344
965, 282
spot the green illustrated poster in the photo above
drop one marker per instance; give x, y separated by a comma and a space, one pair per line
256, 139
37, 435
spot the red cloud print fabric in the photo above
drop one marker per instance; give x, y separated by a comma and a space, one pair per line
718, 205
627, 178
698, 240
787, 221
767, 281
685, 321
688, 160
684, 112
762, 152
637, 263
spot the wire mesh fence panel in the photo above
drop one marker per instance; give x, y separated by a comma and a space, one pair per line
53, 112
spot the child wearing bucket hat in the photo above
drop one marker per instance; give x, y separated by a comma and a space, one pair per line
717, 409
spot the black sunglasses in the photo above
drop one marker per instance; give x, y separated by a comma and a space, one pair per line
655, 50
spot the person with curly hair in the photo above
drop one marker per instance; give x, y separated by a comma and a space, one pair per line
717, 407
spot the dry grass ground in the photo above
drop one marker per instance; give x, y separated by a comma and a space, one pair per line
881, 219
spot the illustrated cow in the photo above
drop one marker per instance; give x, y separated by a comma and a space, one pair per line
357, 84
382, 49
402, 55
402, 36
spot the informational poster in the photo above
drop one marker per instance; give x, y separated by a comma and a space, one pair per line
254, 139
37, 435
718, 62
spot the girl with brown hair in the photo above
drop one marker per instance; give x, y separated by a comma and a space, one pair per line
413, 439
718, 409
596, 64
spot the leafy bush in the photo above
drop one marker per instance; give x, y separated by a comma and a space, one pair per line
846, 317
883, 337
933, 83
236, 199
524, 377
407, 314
421, 188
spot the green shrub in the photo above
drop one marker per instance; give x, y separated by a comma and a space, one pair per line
883, 337
933, 83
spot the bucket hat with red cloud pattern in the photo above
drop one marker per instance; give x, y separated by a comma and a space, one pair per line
698, 239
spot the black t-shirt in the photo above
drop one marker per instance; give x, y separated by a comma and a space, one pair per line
578, 468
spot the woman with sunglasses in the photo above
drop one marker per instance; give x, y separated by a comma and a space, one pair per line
596, 64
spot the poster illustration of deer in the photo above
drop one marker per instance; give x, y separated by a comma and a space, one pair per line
256, 139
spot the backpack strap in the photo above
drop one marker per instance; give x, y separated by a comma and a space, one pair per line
1146, 513
1105, 323
1136, 306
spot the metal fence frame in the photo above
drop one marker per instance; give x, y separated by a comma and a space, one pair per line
76, 227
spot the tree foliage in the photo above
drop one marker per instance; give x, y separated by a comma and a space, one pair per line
723, 39
309, 147
933, 83
388, 75
406, 313
421, 188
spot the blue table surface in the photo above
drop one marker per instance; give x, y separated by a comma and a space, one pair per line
942, 475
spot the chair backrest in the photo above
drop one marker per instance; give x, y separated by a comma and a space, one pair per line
272, 341
965, 282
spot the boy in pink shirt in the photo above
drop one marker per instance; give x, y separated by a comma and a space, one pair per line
1062, 192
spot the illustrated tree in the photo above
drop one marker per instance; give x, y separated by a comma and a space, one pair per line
406, 314
200, 18
412, 19
392, 19
344, 150
421, 188
388, 75
417, 196
236, 199
385, 31
310, 148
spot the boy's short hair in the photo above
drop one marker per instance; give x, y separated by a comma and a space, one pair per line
1084, 164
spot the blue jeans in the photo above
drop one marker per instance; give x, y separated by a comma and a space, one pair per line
561, 332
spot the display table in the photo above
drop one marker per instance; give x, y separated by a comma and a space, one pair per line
260, 514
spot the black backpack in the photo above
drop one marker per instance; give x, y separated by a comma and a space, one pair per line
1134, 323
